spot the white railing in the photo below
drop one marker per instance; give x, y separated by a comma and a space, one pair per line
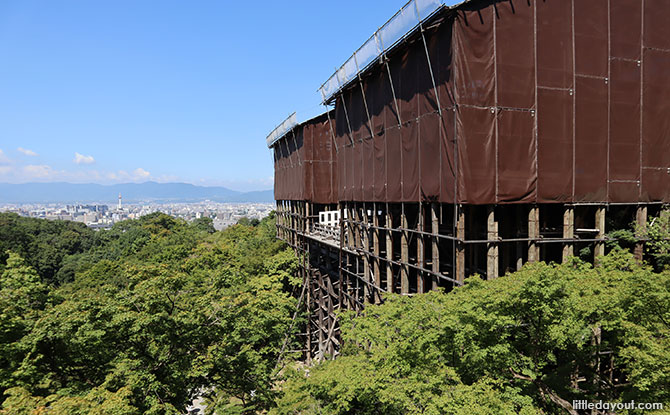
397, 28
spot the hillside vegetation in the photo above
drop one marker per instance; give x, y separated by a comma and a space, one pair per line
140, 318
144, 317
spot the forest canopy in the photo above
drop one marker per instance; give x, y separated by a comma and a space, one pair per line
143, 318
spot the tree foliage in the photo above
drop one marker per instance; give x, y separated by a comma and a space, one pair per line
158, 311
530, 342
146, 316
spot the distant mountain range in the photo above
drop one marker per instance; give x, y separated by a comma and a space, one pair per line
130, 193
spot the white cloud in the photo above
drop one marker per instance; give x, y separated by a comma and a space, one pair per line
39, 171
5, 170
27, 152
3, 158
82, 159
140, 173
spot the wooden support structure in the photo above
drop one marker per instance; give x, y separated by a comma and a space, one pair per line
420, 252
389, 251
492, 247
600, 225
533, 233
568, 231
356, 216
519, 215
350, 231
375, 247
435, 229
641, 224
404, 252
309, 305
340, 301
459, 261
354, 272
365, 230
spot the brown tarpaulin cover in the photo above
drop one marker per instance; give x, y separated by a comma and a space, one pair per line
538, 101
306, 162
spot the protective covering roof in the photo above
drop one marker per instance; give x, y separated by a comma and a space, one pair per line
281, 130
403, 23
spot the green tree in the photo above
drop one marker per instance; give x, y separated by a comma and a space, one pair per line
529, 342
158, 311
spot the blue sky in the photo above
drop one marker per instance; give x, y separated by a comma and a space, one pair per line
120, 91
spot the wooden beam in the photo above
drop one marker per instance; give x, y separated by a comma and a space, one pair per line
600, 225
404, 252
568, 231
460, 246
435, 230
641, 222
533, 232
492, 247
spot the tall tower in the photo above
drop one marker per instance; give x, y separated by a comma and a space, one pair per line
119, 205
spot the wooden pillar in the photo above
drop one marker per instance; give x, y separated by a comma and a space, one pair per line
308, 302
641, 222
600, 225
340, 259
350, 230
420, 280
460, 246
319, 299
308, 220
533, 232
492, 247
435, 230
568, 231
280, 216
375, 246
366, 256
519, 214
286, 223
357, 226
404, 252
389, 251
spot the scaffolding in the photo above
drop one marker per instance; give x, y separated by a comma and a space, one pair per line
462, 143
